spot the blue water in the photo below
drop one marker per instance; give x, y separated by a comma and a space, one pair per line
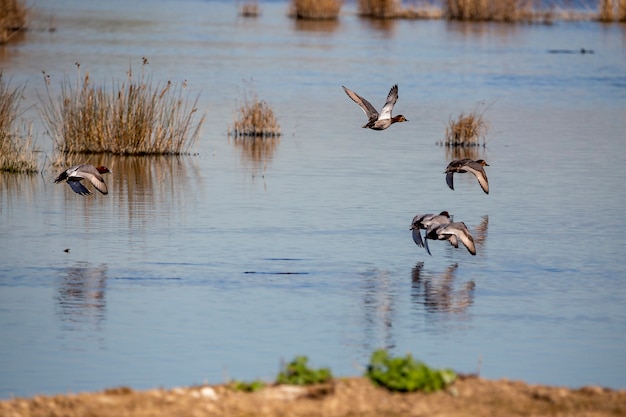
224, 263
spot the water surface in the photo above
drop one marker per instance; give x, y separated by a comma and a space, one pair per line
224, 263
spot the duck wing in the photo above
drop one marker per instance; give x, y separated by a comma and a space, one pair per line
479, 173
78, 187
417, 238
450, 179
392, 97
460, 232
370, 111
91, 174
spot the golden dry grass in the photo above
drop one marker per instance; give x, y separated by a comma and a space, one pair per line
17, 151
255, 118
490, 10
468, 130
379, 9
12, 19
612, 10
132, 117
315, 9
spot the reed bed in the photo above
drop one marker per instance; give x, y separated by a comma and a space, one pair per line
256, 118
12, 19
468, 130
17, 150
379, 9
490, 10
132, 117
250, 9
612, 10
315, 9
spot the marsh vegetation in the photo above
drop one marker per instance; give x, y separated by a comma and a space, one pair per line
12, 19
17, 150
315, 9
130, 117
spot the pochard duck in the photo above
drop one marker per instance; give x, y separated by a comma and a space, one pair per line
424, 221
468, 165
74, 175
375, 120
452, 232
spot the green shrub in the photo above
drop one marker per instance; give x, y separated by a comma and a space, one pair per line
243, 386
298, 373
406, 374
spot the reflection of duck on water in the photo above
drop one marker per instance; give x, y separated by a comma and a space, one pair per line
438, 290
81, 294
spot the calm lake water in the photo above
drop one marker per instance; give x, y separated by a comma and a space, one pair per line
224, 263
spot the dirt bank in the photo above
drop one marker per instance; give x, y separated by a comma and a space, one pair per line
469, 396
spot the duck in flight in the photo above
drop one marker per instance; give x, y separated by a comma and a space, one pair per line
382, 120
468, 165
74, 175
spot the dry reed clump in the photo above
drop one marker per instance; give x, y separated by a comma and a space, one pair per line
612, 10
467, 130
250, 9
491, 10
12, 19
128, 118
256, 118
379, 9
17, 151
315, 9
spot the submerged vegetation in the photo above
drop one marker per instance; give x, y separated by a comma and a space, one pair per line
315, 9
131, 117
17, 152
405, 374
12, 19
256, 118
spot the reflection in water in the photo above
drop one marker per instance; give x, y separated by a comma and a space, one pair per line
385, 26
479, 233
436, 292
80, 296
257, 151
378, 308
326, 25
21, 187
497, 31
141, 188
462, 152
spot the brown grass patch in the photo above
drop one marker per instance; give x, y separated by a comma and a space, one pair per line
256, 118
490, 10
17, 151
250, 9
612, 10
379, 9
315, 9
131, 117
468, 130
12, 19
